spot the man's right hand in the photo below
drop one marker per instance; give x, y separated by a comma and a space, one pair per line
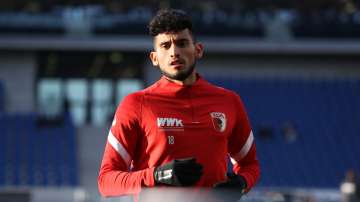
179, 172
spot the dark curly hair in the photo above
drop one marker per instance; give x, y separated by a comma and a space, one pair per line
169, 20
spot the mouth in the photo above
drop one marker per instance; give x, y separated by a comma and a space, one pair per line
177, 64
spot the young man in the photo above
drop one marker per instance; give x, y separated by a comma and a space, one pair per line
179, 131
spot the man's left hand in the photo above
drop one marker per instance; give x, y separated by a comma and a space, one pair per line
232, 189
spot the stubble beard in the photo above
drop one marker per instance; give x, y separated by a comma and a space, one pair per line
181, 75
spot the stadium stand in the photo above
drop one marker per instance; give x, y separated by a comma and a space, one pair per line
33, 154
326, 115
321, 116
2, 94
305, 19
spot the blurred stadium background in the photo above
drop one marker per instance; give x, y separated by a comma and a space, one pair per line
64, 67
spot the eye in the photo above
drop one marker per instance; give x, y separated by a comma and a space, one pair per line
182, 43
165, 45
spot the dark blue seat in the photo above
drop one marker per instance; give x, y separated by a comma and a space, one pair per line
2, 97
326, 114
37, 156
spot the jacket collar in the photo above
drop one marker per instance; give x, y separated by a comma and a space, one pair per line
166, 85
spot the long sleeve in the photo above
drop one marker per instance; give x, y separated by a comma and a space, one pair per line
116, 177
242, 147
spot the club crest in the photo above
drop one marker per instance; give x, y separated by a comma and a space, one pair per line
219, 121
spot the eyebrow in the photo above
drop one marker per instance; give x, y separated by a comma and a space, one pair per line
164, 42
176, 41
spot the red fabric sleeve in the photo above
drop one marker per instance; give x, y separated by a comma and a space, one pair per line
242, 147
115, 177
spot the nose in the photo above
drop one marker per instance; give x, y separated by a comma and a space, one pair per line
174, 51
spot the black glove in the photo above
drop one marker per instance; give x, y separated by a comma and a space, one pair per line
179, 172
234, 182
232, 189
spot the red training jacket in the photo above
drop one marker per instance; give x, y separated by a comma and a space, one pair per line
168, 121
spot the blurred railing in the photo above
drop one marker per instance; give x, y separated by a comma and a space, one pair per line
96, 20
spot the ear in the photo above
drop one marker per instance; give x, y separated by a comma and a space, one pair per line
199, 50
153, 58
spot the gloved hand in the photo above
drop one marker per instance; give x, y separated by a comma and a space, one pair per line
232, 189
234, 182
179, 172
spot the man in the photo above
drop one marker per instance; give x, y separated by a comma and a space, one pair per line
179, 131
349, 187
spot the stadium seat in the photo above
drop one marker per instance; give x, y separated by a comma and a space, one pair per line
326, 115
2, 150
33, 155
2, 97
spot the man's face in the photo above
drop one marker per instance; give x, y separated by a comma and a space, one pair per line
176, 54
